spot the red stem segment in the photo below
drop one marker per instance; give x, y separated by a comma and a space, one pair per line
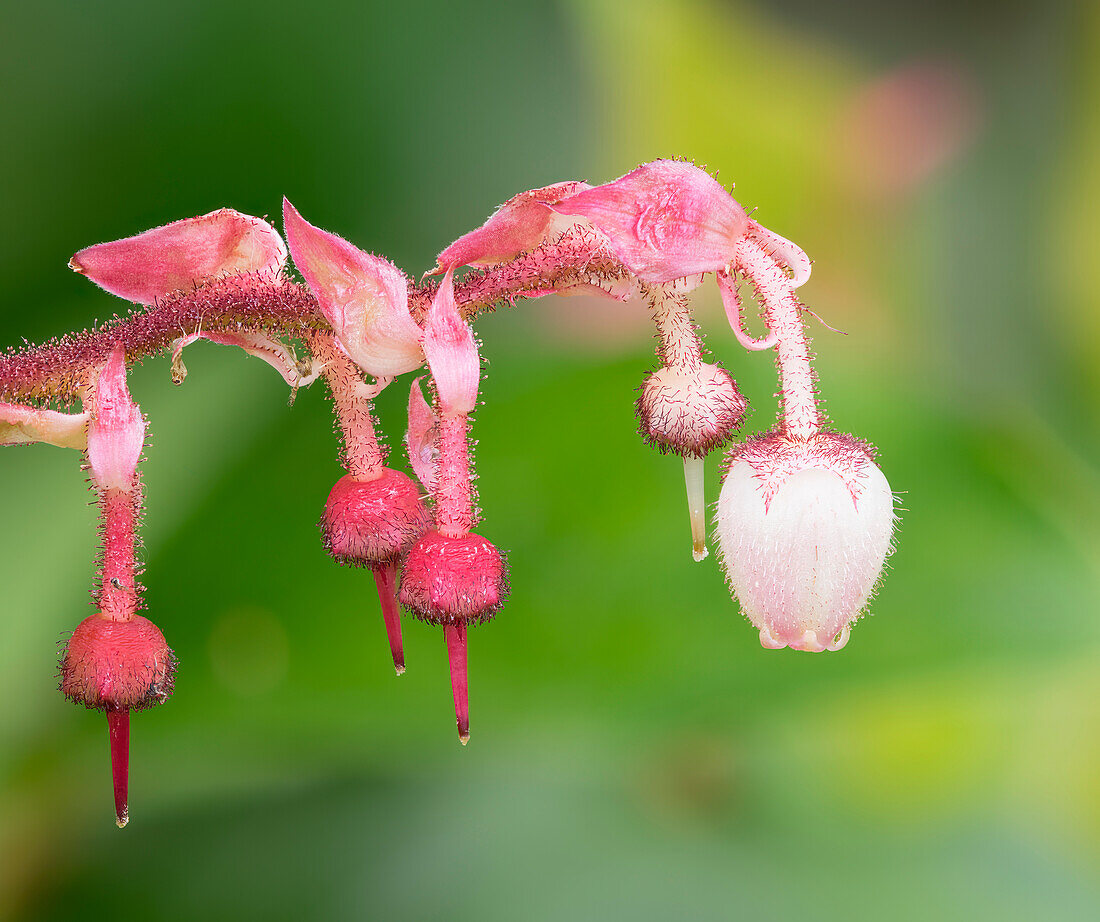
454, 501
456, 653
386, 580
118, 581
118, 728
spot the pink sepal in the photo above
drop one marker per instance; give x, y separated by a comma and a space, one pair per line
451, 352
422, 438
116, 432
364, 298
520, 224
181, 254
20, 425
258, 344
664, 220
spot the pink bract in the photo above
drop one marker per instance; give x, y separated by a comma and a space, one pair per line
451, 352
364, 298
116, 433
520, 224
664, 220
184, 253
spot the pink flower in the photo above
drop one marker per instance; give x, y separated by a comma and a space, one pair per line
804, 527
181, 254
364, 298
117, 430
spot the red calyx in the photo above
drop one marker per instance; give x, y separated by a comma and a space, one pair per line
118, 666
459, 580
372, 523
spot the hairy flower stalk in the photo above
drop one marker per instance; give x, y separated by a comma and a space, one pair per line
687, 406
783, 315
804, 519
451, 577
116, 660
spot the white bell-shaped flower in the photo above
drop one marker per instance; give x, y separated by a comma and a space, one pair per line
804, 526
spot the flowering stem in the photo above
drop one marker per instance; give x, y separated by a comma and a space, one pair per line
455, 635
118, 729
385, 578
363, 457
59, 369
454, 506
782, 313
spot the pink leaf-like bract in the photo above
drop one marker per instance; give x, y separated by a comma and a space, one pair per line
664, 220
518, 225
451, 352
422, 438
20, 425
181, 254
364, 298
116, 432
805, 527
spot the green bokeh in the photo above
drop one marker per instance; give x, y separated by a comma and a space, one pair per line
635, 753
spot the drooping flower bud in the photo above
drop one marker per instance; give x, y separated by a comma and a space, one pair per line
110, 664
804, 527
690, 410
371, 523
454, 580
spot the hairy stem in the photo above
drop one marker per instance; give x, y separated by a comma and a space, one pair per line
59, 369
363, 457
680, 346
783, 315
117, 596
454, 501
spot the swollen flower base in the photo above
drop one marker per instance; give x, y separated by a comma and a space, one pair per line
805, 517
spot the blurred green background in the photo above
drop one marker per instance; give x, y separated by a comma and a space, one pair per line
636, 754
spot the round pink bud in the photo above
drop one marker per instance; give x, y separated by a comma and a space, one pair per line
804, 527
690, 411
371, 523
453, 580
112, 665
